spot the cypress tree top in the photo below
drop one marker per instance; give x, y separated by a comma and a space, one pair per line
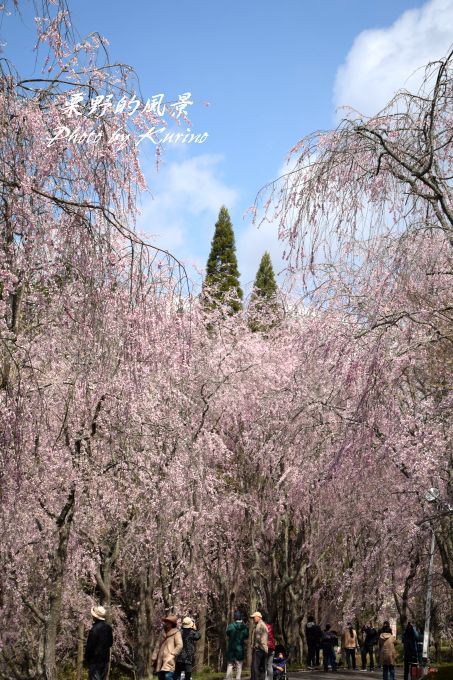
264, 308
265, 285
222, 274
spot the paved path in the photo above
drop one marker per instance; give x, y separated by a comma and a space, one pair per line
342, 674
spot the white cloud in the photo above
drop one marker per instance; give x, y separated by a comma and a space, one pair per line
382, 61
254, 240
183, 208
251, 245
185, 201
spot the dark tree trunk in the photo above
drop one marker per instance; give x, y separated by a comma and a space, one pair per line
201, 644
52, 619
145, 625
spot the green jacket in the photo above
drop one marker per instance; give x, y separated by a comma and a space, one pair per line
237, 634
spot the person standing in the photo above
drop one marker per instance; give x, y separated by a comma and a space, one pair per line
329, 641
379, 631
410, 642
387, 654
259, 647
237, 633
168, 647
318, 645
99, 643
370, 637
185, 659
313, 635
349, 644
271, 650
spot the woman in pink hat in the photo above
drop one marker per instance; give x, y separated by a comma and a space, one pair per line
167, 649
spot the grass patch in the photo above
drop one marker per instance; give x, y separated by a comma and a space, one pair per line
444, 671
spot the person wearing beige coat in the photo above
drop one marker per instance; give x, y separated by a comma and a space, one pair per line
167, 649
387, 654
349, 645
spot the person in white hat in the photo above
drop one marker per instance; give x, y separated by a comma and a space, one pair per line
99, 643
185, 659
259, 647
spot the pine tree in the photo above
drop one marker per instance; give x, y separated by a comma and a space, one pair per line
263, 305
265, 286
222, 274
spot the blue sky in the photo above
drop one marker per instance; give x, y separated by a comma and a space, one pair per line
272, 73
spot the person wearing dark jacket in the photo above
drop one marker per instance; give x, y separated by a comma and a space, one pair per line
313, 635
410, 641
99, 642
329, 641
237, 634
370, 638
185, 659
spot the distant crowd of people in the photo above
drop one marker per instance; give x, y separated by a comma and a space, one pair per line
376, 644
268, 659
174, 653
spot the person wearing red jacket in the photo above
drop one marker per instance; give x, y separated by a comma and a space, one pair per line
270, 650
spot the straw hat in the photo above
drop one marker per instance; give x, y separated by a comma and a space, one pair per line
187, 622
98, 613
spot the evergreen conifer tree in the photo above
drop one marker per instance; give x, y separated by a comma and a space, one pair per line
263, 304
265, 286
222, 274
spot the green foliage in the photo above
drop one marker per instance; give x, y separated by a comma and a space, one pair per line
207, 673
444, 672
222, 274
264, 308
265, 286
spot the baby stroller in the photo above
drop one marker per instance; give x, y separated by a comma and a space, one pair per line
279, 664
